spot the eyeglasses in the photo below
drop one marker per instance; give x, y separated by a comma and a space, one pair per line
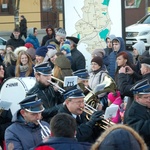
78, 102
94, 64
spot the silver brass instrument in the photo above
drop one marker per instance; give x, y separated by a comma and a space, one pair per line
61, 90
45, 132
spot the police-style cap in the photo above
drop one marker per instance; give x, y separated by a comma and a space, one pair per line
73, 93
32, 104
142, 87
82, 74
43, 69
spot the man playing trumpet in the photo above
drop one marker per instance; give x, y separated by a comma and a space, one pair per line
74, 106
26, 132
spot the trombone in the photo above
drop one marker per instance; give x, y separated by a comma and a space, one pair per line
105, 122
45, 132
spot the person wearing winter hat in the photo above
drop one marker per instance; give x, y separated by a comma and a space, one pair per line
96, 76
115, 99
28, 45
31, 51
101, 53
50, 34
78, 59
62, 68
58, 40
32, 37
65, 49
40, 54
119, 137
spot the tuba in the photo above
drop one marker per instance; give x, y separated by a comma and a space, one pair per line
108, 85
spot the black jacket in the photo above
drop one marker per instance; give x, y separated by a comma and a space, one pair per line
85, 133
51, 100
62, 143
138, 117
5, 121
23, 26
78, 60
15, 42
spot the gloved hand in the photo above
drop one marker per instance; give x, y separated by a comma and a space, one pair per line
96, 116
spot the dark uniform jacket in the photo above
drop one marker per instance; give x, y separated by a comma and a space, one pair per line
85, 133
5, 121
15, 42
51, 100
62, 143
78, 60
138, 117
23, 135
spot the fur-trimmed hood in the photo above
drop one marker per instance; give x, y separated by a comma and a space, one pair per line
120, 137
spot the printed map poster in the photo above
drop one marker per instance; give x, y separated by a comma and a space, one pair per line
92, 21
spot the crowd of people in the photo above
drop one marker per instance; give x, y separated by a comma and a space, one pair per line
50, 119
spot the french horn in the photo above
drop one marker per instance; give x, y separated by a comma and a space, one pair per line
108, 85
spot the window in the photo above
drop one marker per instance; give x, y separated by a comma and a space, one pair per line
132, 3
6, 7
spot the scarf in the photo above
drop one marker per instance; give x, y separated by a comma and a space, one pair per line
24, 68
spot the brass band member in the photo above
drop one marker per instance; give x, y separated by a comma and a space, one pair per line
25, 132
138, 115
50, 98
74, 105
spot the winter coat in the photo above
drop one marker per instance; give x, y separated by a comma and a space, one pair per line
119, 137
112, 57
15, 42
10, 69
62, 143
23, 26
32, 39
48, 37
23, 135
85, 132
65, 68
54, 42
138, 117
78, 60
5, 121
51, 100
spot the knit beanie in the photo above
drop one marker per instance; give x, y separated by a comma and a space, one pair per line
61, 32
28, 45
111, 96
98, 52
97, 60
66, 47
41, 51
51, 50
31, 52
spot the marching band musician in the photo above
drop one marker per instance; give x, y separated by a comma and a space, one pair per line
74, 106
44, 90
83, 77
138, 115
25, 132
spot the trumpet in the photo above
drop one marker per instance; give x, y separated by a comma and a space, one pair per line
45, 132
106, 123
61, 90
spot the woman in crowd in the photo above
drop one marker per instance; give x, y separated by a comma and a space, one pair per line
24, 65
40, 54
10, 63
122, 60
96, 76
62, 68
